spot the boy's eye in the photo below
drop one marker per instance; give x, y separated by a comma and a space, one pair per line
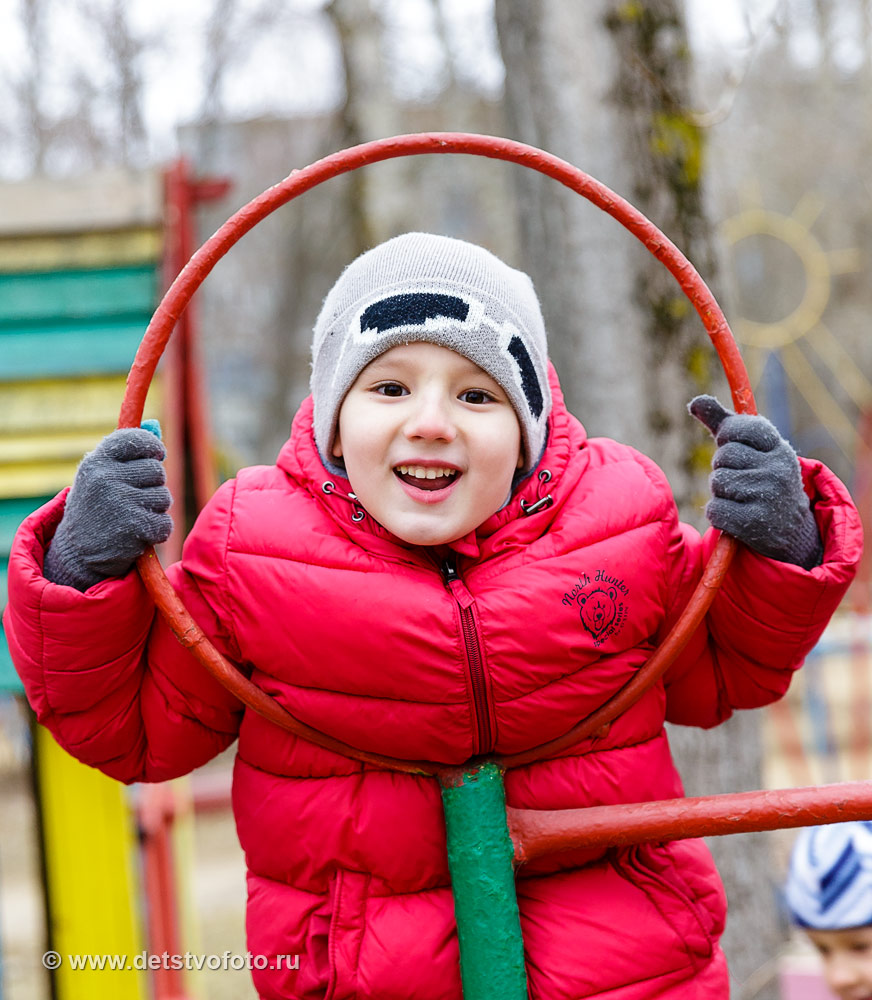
476, 396
391, 389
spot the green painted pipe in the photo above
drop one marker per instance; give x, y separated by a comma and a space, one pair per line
480, 854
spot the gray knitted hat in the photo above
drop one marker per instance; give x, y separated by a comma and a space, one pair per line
443, 291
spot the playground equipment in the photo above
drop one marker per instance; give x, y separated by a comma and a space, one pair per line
483, 838
81, 267
179, 295
79, 276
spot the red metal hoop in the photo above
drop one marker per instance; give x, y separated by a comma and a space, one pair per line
299, 181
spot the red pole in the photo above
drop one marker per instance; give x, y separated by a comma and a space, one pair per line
173, 402
156, 816
538, 832
186, 395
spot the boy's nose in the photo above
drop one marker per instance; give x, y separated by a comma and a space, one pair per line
430, 419
842, 974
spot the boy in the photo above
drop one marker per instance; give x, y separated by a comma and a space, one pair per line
829, 895
402, 580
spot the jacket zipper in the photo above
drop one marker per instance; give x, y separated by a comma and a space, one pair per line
474, 657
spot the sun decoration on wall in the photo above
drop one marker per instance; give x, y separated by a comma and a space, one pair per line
821, 730
799, 336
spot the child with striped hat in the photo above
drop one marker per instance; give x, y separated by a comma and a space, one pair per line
829, 895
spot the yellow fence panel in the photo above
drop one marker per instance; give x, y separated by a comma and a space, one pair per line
90, 858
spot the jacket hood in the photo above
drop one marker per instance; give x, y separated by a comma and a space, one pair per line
554, 475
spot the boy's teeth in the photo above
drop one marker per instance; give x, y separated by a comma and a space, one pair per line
420, 472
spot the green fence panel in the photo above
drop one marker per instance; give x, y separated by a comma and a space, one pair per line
82, 349
12, 513
75, 295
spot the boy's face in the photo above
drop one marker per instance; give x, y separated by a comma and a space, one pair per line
847, 958
416, 412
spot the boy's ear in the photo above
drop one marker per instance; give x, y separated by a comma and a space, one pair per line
336, 450
520, 462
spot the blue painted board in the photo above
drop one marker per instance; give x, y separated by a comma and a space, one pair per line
76, 295
84, 349
12, 513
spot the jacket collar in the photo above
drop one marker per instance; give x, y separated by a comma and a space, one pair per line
508, 527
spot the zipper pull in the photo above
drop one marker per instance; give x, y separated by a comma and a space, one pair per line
455, 585
449, 571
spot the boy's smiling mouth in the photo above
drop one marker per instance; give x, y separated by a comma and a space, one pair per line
426, 477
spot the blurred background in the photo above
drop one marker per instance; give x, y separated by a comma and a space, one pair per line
131, 129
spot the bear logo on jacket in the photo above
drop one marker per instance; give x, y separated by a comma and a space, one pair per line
597, 610
601, 608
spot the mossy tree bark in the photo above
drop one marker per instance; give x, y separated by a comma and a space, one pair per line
607, 85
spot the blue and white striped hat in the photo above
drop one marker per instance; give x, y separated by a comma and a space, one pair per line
829, 884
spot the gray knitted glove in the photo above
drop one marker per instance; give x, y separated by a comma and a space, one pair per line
757, 493
117, 508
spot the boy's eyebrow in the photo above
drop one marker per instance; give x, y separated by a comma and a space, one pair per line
470, 368
382, 362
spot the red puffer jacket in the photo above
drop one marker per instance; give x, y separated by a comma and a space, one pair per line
360, 636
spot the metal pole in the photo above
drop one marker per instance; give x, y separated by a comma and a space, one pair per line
480, 853
538, 832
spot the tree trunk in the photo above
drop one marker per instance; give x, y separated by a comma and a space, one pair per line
368, 112
606, 84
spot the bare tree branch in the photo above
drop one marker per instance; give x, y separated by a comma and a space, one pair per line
218, 48
29, 87
123, 50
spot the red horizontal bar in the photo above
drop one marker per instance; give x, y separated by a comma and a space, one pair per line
536, 832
